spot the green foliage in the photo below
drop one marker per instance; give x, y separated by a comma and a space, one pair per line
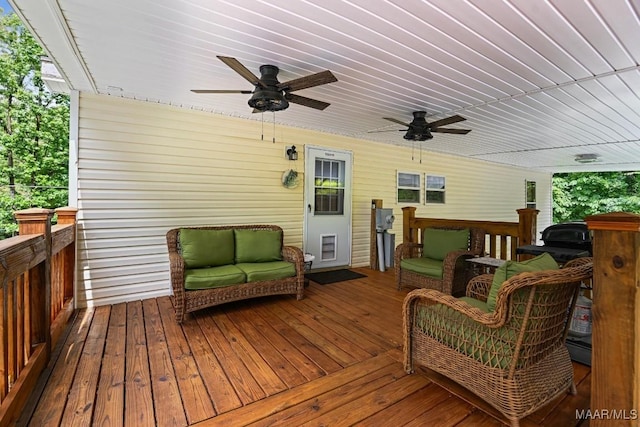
34, 129
577, 195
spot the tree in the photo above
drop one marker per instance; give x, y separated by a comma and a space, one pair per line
577, 195
34, 129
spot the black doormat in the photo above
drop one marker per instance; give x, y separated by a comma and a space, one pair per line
333, 276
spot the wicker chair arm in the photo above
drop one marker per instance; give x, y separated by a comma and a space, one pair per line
479, 286
294, 254
431, 296
407, 250
176, 266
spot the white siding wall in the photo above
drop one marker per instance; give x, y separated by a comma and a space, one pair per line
144, 168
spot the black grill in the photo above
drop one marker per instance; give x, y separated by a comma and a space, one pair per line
564, 242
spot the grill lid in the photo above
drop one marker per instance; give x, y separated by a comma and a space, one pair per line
573, 234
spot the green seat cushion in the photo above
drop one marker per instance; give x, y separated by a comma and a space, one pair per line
206, 248
491, 346
213, 277
437, 243
511, 268
425, 266
258, 245
274, 270
476, 303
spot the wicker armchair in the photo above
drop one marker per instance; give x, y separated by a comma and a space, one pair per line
454, 265
186, 301
515, 357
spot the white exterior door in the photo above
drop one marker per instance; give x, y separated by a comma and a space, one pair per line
328, 206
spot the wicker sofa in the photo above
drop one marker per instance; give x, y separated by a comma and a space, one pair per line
439, 262
213, 265
512, 355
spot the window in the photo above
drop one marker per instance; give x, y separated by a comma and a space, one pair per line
434, 186
408, 187
329, 187
530, 194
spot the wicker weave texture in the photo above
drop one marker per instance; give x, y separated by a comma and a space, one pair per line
453, 269
186, 301
514, 358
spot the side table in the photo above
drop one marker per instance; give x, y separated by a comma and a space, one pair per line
484, 264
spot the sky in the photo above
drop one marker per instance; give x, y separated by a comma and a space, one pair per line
5, 6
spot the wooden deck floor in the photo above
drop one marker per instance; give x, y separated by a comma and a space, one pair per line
330, 359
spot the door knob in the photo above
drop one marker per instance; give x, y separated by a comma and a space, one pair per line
309, 207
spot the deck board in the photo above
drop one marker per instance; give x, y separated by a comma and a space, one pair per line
334, 358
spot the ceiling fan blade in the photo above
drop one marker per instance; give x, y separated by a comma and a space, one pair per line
400, 122
388, 130
456, 131
236, 66
447, 121
312, 80
220, 91
307, 102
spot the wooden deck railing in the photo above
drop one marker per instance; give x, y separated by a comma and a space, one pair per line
502, 238
37, 278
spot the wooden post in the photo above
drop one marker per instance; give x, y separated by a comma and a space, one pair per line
373, 247
38, 221
528, 226
408, 234
68, 215
615, 357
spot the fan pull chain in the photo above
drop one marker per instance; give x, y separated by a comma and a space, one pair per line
262, 130
413, 149
274, 127
420, 153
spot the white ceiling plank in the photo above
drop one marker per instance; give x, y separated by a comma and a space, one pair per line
538, 81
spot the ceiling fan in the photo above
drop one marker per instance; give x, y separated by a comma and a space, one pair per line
271, 95
420, 130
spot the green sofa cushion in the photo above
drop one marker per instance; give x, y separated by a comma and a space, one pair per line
511, 268
437, 243
258, 245
213, 277
425, 266
206, 248
257, 272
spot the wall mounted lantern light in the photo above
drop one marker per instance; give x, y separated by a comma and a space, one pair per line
292, 154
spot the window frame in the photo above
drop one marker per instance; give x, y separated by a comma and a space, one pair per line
530, 190
428, 190
417, 188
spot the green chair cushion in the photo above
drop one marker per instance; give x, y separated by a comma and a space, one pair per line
476, 303
206, 248
213, 277
257, 272
437, 243
511, 268
425, 266
258, 245
491, 346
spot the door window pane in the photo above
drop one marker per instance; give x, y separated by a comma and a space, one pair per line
329, 187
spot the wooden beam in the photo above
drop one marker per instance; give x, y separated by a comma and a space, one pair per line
615, 357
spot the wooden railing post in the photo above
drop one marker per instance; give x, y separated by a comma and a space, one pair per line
528, 226
408, 234
38, 221
373, 247
68, 215
615, 357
